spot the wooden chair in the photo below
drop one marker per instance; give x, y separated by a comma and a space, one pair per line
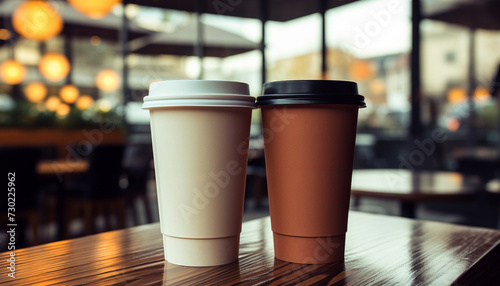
22, 161
137, 168
99, 192
493, 188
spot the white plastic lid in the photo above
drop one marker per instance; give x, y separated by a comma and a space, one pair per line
213, 93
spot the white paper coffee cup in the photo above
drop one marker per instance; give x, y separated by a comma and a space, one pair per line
200, 132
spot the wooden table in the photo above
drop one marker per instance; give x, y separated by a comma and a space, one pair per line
481, 161
413, 187
380, 250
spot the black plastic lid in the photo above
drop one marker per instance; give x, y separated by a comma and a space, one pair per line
311, 92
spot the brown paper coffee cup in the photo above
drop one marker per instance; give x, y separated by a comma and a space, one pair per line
309, 149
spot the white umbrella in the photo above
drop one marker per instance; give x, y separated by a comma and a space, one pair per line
182, 41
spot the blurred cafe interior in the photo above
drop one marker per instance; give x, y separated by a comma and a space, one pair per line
73, 77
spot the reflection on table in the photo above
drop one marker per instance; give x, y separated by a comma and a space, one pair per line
413, 187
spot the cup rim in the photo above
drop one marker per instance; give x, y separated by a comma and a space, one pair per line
230, 101
294, 99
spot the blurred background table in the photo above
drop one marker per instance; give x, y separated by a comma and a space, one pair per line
480, 161
380, 250
51, 167
413, 187
481, 152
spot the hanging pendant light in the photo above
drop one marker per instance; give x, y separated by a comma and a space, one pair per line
107, 80
52, 102
63, 110
12, 72
69, 93
84, 102
54, 66
35, 92
95, 9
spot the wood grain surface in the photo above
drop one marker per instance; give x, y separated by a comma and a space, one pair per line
414, 186
380, 250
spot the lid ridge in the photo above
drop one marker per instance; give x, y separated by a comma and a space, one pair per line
210, 93
310, 92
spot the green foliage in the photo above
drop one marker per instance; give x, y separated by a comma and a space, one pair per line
28, 115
